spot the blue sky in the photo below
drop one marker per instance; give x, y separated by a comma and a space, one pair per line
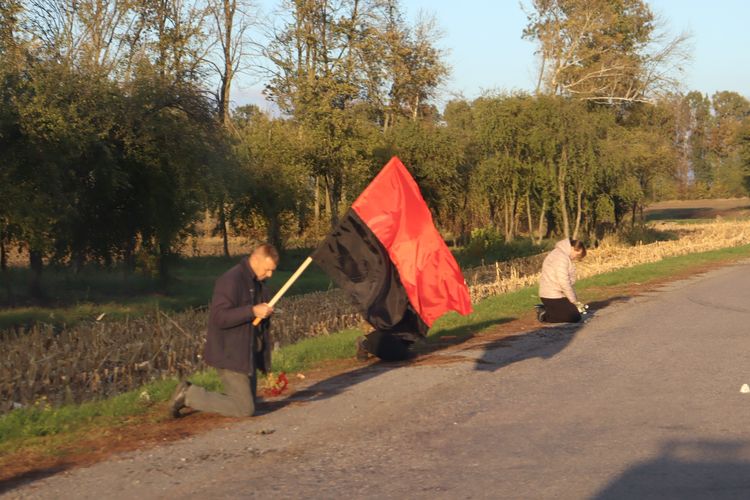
486, 52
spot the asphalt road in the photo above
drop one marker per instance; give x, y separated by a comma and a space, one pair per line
642, 401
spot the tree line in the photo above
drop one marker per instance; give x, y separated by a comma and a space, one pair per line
117, 133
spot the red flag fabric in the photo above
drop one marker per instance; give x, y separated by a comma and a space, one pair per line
394, 210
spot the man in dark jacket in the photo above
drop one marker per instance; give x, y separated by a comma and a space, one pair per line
234, 346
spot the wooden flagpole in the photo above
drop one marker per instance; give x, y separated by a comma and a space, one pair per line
286, 286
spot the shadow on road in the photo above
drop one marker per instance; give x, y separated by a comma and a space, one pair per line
547, 342
337, 384
544, 342
29, 477
687, 469
329, 387
458, 335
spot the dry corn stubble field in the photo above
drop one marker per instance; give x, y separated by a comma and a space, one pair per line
94, 359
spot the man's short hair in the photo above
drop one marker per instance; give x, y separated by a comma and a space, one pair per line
267, 250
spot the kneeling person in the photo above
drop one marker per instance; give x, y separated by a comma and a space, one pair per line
556, 283
234, 346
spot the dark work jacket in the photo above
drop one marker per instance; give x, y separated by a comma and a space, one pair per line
231, 335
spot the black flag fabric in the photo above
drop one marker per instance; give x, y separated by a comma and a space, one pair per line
358, 263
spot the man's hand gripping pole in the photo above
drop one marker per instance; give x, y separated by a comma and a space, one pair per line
286, 286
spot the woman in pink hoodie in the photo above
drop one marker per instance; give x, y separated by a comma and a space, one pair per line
556, 283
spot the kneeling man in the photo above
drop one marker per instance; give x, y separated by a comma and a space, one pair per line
234, 346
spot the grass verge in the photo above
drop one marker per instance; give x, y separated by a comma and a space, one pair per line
43, 429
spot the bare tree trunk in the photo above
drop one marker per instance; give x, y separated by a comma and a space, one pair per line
463, 236
223, 228
507, 219
541, 222
541, 74
129, 254
3, 252
165, 256
334, 196
274, 232
4, 268
78, 260
579, 210
516, 217
316, 206
529, 220
327, 207
561, 191
229, 7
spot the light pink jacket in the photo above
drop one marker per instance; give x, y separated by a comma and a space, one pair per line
558, 274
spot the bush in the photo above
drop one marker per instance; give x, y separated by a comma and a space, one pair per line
488, 245
643, 234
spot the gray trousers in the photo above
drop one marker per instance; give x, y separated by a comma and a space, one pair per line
238, 399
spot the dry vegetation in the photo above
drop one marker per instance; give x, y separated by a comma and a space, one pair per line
104, 358
611, 255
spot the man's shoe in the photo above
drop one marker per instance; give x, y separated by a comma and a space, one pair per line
362, 352
177, 402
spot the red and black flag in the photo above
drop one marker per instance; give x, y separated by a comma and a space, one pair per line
387, 253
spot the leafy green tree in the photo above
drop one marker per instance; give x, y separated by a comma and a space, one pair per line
317, 81
503, 173
275, 178
643, 153
11, 79
459, 120
730, 110
433, 155
171, 141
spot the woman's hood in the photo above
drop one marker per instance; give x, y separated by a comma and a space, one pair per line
563, 245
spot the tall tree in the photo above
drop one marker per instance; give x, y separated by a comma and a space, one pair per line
730, 112
603, 50
231, 23
414, 67
11, 78
318, 78
276, 178
699, 110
